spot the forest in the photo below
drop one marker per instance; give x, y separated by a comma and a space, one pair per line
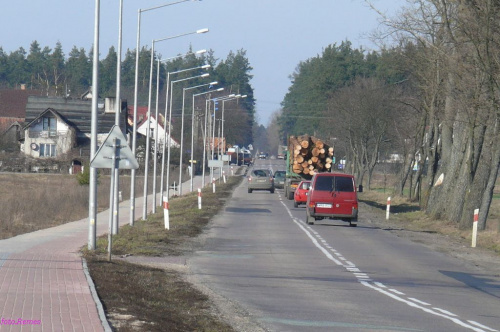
431, 99
53, 73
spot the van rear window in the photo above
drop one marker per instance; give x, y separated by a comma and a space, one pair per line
334, 183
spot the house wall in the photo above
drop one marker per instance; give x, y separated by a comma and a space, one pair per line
63, 139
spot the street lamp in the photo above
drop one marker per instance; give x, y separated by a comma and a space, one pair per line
136, 87
192, 133
169, 121
165, 117
148, 127
182, 129
206, 134
169, 127
223, 102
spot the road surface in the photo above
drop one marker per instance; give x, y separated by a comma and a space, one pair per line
289, 276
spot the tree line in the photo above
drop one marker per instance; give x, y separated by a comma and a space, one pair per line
53, 74
431, 97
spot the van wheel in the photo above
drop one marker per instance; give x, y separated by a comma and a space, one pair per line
310, 220
249, 191
290, 195
272, 191
295, 204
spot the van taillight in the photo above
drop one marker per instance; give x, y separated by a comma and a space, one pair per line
312, 205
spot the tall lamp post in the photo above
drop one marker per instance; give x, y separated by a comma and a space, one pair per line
192, 134
182, 128
93, 131
169, 121
146, 165
169, 128
156, 137
136, 86
223, 104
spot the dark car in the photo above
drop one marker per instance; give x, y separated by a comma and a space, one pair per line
279, 179
261, 179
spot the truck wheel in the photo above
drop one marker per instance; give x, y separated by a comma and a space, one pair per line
249, 190
295, 204
290, 195
272, 191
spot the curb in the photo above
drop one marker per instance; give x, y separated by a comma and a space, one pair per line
100, 309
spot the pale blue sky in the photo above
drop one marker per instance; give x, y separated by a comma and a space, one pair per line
277, 34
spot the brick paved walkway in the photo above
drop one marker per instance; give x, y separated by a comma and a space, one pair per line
43, 286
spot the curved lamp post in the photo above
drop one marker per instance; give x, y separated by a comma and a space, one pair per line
182, 128
192, 133
169, 128
136, 85
148, 127
169, 87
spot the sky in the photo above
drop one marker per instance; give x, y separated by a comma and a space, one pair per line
276, 34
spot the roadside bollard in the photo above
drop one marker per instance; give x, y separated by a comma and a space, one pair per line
166, 215
213, 185
232, 171
388, 208
474, 228
199, 199
224, 176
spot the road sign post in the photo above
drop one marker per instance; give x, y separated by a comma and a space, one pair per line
113, 155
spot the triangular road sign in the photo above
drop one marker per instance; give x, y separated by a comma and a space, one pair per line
124, 156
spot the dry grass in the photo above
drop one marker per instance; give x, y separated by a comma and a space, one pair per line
33, 201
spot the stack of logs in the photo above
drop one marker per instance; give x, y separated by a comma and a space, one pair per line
309, 155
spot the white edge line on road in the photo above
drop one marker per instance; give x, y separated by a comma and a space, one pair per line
367, 283
414, 305
482, 326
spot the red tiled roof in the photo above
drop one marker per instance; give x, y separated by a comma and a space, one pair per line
13, 102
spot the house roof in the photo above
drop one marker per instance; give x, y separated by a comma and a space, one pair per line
13, 102
77, 113
49, 110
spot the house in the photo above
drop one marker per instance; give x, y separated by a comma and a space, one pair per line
142, 126
12, 115
58, 126
48, 135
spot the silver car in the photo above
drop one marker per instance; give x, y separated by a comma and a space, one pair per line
279, 179
260, 179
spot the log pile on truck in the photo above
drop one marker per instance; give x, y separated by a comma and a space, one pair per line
309, 155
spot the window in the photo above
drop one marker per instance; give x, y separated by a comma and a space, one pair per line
340, 183
47, 150
344, 184
325, 183
50, 125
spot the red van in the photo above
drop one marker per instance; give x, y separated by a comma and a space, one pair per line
333, 196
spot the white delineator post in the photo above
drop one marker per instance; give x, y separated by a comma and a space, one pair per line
224, 176
388, 208
232, 171
474, 228
213, 185
166, 215
199, 199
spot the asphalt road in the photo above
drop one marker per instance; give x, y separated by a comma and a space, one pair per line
289, 276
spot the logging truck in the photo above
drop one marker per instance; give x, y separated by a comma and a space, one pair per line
306, 155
